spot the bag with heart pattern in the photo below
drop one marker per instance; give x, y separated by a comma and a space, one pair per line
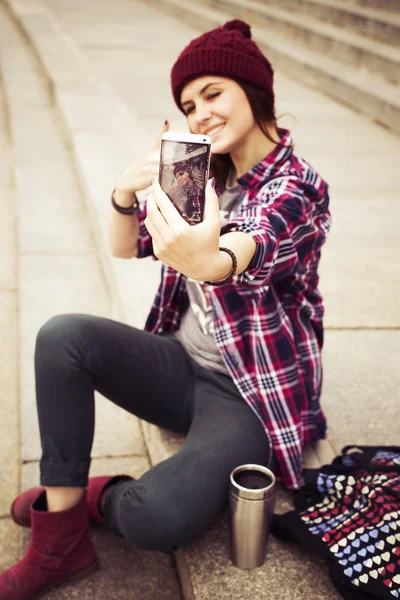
349, 513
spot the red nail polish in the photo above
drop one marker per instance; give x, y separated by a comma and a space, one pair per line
165, 122
213, 182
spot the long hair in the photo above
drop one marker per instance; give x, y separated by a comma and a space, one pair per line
263, 109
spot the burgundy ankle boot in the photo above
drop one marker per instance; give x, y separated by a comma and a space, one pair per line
20, 508
60, 551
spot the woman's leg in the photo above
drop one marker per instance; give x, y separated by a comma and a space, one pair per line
147, 375
76, 354
176, 500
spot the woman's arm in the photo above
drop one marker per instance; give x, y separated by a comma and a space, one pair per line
123, 233
244, 248
288, 225
127, 235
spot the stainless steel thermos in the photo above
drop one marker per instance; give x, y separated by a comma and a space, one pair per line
251, 506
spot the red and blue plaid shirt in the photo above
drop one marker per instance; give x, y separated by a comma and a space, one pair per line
268, 320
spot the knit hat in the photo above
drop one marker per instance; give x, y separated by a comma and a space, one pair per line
228, 51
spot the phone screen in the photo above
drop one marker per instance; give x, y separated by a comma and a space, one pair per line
184, 175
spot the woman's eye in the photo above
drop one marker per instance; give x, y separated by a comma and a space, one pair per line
209, 97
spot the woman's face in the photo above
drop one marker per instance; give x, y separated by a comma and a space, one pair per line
182, 177
218, 107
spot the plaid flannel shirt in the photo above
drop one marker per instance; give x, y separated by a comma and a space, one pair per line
268, 320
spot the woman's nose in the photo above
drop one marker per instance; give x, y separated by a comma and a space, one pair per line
202, 115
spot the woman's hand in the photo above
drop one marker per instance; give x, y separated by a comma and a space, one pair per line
189, 249
139, 175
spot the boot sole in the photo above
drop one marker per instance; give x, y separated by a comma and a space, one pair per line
90, 570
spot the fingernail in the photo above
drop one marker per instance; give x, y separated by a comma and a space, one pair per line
165, 122
213, 182
153, 180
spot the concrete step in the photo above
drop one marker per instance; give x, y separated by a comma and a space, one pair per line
125, 571
362, 90
349, 48
58, 271
350, 383
101, 152
9, 402
103, 137
392, 5
205, 567
159, 442
369, 21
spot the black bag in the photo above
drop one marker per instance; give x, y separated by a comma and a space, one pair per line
349, 513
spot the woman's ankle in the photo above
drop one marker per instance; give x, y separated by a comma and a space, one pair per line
63, 498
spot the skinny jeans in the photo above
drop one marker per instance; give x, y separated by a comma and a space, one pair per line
153, 377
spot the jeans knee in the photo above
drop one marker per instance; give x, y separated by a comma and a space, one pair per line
151, 523
56, 334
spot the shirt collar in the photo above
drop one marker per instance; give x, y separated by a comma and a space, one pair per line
266, 168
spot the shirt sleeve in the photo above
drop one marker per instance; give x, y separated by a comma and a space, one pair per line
289, 222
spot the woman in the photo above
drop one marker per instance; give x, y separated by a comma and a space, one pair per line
186, 194
231, 352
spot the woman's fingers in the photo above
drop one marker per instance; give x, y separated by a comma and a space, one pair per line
211, 208
158, 222
157, 142
153, 156
168, 210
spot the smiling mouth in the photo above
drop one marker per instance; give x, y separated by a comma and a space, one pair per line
212, 132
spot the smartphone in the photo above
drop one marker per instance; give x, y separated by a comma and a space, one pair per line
184, 169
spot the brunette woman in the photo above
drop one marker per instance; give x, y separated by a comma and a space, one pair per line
231, 351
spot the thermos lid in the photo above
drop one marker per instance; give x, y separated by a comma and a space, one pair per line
252, 482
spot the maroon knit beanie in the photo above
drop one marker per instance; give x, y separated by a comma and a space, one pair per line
228, 51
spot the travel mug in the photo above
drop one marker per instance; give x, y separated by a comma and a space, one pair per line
251, 506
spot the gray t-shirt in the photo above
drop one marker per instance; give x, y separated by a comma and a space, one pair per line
197, 328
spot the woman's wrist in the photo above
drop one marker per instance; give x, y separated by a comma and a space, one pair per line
224, 267
124, 198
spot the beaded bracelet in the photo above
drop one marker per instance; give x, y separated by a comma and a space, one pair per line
129, 210
230, 276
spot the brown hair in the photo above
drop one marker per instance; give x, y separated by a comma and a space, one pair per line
263, 109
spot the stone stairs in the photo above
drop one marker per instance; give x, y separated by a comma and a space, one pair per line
9, 411
83, 54
348, 51
385, 4
50, 265
381, 22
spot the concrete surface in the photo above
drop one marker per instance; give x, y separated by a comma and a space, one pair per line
125, 571
346, 152
10, 534
109, 105
314, 55
52, 266
361, 387
10, 539
9, 414
287, 573
380, 24
8, 269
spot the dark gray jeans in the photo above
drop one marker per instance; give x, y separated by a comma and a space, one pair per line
153, 377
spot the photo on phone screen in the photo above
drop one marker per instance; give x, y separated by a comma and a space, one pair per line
184, 175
